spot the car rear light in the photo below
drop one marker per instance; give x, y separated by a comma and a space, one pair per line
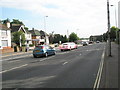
42, 47
60, 46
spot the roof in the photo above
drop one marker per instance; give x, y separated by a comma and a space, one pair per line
3, 27
43, 33
35, 32
27, 31
15, 28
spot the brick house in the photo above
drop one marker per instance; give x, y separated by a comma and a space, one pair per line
38, 37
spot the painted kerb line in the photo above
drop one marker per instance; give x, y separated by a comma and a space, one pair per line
97, 81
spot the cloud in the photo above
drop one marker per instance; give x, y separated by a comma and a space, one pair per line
87, 15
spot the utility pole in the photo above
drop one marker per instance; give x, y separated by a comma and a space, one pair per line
20, 43
109, 41
45, 29
116, 23
68, 34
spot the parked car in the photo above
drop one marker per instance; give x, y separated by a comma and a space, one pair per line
90, 42
97, 41
68, 46
43, 50
85, 43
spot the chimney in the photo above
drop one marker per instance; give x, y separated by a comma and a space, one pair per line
8, 24
33, 29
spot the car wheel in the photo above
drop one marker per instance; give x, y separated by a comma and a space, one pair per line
54, 53
34, 56
62, 50
46, 54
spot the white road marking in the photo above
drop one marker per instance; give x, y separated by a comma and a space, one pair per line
94, 50
63, 53
47, 58
14, 61
64, 63
13, 68
43, 60
15, 57
97, 81
80, 54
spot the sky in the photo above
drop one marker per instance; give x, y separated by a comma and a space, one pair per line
84, 17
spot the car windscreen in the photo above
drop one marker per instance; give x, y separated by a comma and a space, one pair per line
39, 47
65, 44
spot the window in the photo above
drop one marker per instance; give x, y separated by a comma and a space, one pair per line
4, 43
4, 33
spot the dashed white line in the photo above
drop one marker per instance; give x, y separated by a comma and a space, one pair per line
14, 61
64, 63
47, 58
13, 68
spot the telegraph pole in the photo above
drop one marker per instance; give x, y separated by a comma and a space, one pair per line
109, 41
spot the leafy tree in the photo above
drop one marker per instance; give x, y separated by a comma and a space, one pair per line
16, 37
57, 38
105, 36
5, 21
73, 37
26, 28
64, 39
15, 21
113, 34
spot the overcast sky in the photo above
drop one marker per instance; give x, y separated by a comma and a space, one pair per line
84, 17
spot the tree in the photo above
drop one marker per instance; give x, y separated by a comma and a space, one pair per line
64, 39
57, 38
113, 34
15, 21
73, 37
16, 38
105, 36
5, 21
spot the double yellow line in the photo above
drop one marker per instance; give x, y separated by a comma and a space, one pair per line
98, 78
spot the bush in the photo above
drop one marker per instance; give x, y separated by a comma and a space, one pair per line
23, 45
31, 45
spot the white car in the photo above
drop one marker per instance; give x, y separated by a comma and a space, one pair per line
68, 46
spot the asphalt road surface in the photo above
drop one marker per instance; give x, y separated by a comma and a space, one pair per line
77, 68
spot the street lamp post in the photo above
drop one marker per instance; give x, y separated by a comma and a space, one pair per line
77, 31
109, 41
45, 28
115, 23
68, 34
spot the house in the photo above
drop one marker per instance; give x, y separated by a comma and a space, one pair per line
39, 37
5, 38
96, 38
45, 36
17, 28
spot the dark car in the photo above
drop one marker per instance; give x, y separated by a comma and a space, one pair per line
43, 50
84, 43
90, 42
97, 41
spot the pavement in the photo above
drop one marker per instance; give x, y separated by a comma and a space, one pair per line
110, 69
20, 53
14, 53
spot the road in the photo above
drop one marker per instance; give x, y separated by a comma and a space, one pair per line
69, 69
